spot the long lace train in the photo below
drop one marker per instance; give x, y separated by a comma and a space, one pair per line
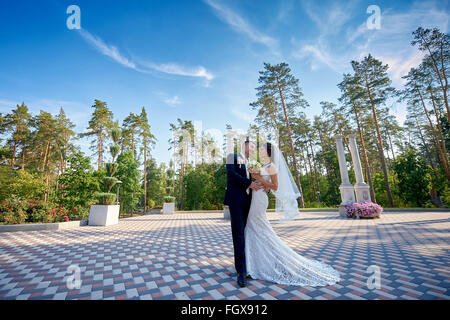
269, 258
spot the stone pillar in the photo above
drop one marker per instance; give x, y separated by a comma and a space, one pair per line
362, 189
346, 188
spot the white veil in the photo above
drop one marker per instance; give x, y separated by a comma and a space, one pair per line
287, 193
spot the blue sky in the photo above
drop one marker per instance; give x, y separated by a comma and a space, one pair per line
194, 59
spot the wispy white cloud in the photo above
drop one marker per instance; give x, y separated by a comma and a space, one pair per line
318, 54
399, 67
391, 43
172, 101
239, 24
176, 69
242, 115
329, 22
107, 50
145, 66
329, 19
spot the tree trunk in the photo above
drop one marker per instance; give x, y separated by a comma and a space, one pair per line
100, 149
445, 80
315, 168
145, 177
13, 158
47, 178
381, 149
436, 70
438, 144
427, 151
438, 123
23, 159
294, 161
312, 175
366, 159
45, 156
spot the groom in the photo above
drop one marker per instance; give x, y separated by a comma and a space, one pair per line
238, 196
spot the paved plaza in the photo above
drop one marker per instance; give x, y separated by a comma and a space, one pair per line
190, 256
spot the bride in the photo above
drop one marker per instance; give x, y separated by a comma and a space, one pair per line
267, 256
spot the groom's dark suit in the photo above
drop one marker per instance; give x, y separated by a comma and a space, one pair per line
238, 200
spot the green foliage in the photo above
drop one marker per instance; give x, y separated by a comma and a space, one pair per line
128, 173
199, 190
101, 120
155, 182
114, 150
17, 211
414, 178
12, 211
20, 183
220, 184
169, 199
27, 185
79, 183
106, 199
446, 196
150, 204
110, 182
115, 136
111, 168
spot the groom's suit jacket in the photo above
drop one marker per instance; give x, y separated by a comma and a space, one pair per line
237, 182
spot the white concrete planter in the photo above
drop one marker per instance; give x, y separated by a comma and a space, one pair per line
101, 215
43, 226
168, 208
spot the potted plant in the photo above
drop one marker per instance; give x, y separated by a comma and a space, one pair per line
106, 211
169, 199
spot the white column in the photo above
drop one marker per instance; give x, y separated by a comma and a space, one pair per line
342, 162
346, 188
362, 190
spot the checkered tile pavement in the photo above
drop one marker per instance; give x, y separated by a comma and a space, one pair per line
190, 256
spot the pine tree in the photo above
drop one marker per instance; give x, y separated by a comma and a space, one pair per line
436, 45
279, 98
17, 123
101, 121
351, 99
374, 85
130, 129
147, 139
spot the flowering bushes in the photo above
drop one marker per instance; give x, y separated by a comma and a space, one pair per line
16, 211
13, 211
363, 210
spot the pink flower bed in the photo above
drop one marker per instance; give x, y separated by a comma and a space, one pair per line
363, 210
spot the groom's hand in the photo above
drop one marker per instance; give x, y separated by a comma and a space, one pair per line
256, 186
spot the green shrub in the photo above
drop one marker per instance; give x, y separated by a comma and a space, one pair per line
38, 211
150, 203
111, 168
110, 182
12, 211
106, 199
169, 199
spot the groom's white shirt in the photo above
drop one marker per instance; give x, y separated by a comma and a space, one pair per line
246, 170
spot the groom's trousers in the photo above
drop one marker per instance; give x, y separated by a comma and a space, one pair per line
238, 217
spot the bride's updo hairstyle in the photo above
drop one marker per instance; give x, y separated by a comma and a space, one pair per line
269, 150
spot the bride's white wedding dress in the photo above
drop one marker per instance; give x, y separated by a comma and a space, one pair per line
269, 258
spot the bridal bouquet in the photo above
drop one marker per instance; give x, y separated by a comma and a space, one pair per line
254, 165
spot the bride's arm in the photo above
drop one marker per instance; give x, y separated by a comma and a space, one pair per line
273, 184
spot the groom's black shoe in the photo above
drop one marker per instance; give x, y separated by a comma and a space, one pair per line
249, 277
242, 282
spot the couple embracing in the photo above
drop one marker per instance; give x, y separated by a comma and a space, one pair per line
258, 252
